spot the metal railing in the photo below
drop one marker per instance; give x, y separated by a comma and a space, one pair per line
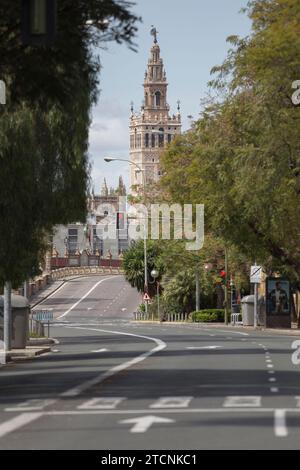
170, 317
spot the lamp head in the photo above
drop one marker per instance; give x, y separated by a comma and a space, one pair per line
154, 274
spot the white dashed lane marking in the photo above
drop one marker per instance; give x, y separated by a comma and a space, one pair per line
242, 402
104, 403
172, 402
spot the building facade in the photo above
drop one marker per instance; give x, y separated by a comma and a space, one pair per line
153, 128
74, 239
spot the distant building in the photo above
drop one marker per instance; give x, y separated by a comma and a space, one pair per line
153, 128
74, 239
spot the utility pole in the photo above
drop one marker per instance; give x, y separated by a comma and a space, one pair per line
255, 302
197, 276
7, 316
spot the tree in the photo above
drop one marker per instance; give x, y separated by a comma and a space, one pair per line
44, 126
242, 158
133, 264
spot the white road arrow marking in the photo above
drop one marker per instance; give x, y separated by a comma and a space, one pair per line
203, 347
143, 423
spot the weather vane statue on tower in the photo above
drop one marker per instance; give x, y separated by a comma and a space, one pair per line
154, 32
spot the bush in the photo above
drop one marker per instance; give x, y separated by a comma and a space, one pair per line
141, 308
208, 316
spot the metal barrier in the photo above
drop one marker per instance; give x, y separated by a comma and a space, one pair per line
177, 317
36, 327
141, 316
170, 317
235, 319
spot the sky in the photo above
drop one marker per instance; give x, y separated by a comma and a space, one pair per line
192, 37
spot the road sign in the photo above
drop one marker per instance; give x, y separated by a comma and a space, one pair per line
43, 316
255, 276
146, 297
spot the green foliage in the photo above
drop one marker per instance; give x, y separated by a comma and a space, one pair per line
44, 127
142, 308
208, 316
134, 267
242, 158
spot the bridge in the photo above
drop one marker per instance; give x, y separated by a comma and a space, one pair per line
66, 272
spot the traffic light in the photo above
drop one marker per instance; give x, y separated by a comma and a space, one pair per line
223, 276
120, 220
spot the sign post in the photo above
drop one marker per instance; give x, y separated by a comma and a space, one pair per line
44, 316
255, 278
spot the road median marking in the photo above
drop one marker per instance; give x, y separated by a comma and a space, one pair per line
160, 345
195, 348
85, 296
99, 350
280, 427
18, 422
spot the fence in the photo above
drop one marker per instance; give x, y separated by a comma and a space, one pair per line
170, 317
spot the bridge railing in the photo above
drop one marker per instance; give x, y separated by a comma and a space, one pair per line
84, 271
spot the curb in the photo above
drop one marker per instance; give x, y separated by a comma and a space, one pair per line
17, 356
40, 342
279, 331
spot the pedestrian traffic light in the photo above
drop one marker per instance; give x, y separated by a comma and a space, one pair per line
120, 220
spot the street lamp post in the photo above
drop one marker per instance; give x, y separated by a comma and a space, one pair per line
155, 275
108, 160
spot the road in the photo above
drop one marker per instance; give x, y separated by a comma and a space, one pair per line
112, 384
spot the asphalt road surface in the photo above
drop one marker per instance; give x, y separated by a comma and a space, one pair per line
112, 384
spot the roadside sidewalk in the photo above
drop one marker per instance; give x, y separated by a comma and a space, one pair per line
280, 331
35, 346
43, 294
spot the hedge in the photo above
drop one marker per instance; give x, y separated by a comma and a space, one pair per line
208, 316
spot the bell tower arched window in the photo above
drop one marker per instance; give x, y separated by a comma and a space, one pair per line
157, 99
153, 140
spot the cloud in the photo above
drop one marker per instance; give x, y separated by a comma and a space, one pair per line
109, 136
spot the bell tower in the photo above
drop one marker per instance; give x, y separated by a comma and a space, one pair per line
153, 128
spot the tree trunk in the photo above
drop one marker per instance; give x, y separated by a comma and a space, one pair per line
220, 296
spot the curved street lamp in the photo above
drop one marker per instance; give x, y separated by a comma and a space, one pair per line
112, 159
